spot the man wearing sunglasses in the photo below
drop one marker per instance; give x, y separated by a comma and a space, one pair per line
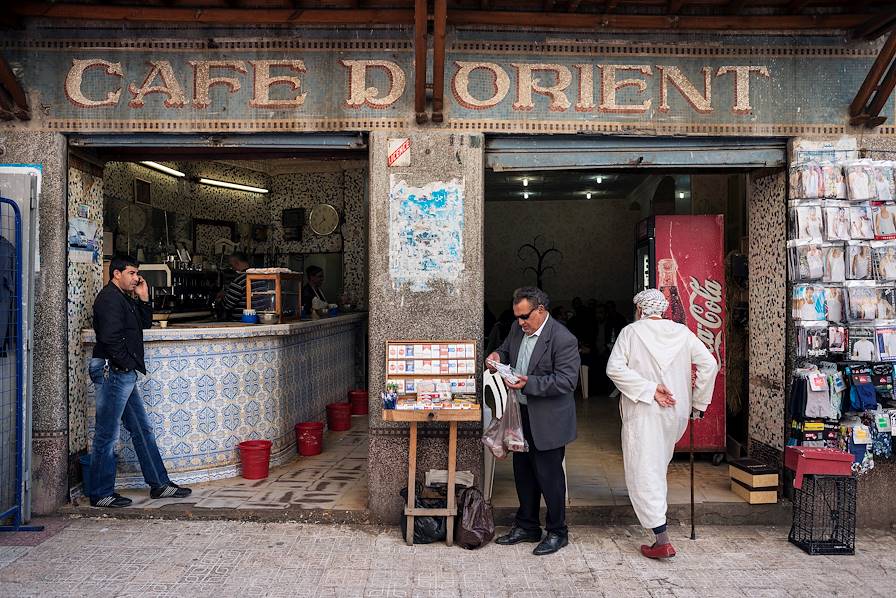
545, 355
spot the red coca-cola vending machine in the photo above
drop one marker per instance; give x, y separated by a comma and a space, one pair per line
683, 256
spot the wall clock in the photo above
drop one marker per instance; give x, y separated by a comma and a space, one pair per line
323, 219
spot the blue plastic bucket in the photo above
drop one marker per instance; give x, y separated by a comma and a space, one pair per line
84, 460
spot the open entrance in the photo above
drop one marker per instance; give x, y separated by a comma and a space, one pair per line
576, 217
282, 216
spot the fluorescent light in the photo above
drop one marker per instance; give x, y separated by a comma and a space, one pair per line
588, 195
236, 186
600, 180
525, 195
163, 168
681, 195
525, 182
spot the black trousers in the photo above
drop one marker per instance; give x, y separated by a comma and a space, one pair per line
536, 474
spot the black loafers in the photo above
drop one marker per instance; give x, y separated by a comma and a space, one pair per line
517, 535
551, 544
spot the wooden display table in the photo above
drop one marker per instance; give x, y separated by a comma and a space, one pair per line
452, 416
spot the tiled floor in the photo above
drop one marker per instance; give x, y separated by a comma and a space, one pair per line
595, 475
334, 480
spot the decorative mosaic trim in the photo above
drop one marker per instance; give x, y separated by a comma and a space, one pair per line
296, 124
220, 45
591, 49
517, 126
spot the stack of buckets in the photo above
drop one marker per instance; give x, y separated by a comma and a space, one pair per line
310, 435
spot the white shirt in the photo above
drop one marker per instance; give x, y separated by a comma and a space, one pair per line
863, 350
527, 345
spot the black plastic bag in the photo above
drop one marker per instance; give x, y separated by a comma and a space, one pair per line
427, 529
475, 527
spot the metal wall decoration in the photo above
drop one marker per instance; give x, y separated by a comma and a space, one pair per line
546, 260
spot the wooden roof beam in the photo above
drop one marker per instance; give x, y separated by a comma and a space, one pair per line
420, 45
440, 26
876, 26
217, 16
883, 60
17, 99
873, 117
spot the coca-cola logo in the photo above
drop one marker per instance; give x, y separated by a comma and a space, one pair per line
708, 315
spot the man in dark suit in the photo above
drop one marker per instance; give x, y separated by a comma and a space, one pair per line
546, 356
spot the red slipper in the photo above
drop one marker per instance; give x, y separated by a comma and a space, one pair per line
658, 551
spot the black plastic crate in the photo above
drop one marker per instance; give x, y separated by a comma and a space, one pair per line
824, 515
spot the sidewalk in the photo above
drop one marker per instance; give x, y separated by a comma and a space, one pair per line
109, 557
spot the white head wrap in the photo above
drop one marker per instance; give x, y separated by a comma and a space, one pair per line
652, 302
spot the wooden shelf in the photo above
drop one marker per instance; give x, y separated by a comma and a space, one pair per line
434, 415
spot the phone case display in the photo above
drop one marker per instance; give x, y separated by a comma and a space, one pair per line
837, 338
432, 374
808, 303
883, 180
883, 254
834, 180
883, 216
835, 301
859, 264
860, 185
836, 220
806, 181
812, 339
861, 343
808, 219
807, 261
861, 222
834, 262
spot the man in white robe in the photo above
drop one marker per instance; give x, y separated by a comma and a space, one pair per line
651, 365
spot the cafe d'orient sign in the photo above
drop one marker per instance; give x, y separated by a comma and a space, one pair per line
597, 87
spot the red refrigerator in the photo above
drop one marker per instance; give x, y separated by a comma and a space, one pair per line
683, 256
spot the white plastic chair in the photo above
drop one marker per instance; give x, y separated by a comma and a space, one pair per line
583, 381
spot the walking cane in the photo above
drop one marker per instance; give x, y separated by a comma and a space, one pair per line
691, 426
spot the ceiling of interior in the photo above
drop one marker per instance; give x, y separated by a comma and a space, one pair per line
555, 185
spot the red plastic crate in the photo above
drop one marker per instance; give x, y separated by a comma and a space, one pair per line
820, 461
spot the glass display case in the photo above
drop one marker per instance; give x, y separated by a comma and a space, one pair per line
279, 294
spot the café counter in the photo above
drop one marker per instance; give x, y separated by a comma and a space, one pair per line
209, 386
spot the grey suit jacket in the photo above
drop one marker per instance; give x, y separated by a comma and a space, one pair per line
553, 373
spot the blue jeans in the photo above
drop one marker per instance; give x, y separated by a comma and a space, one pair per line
117, 401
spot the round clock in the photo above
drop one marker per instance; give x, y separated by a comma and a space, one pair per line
131, 220
323, 219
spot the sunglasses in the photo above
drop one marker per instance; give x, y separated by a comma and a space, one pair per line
526, 317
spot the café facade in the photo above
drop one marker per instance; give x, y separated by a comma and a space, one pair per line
749, 102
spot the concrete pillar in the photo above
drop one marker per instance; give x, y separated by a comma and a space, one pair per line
445, 311
49, 475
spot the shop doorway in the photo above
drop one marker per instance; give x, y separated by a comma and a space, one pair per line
190, 209
565, 212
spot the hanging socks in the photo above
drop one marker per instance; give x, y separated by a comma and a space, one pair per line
662, 536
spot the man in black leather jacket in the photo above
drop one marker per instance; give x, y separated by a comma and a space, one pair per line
120, 313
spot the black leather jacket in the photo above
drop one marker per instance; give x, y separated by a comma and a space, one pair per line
119, 322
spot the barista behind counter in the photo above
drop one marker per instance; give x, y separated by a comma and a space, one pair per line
233, 295
313, 288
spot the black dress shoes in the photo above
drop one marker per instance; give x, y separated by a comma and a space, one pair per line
517, 535
551, 544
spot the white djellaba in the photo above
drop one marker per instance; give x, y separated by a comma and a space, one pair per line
649, 352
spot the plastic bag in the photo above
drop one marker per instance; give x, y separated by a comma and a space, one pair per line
506, 434
427, 529
475, 527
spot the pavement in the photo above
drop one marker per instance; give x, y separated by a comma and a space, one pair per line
100, 556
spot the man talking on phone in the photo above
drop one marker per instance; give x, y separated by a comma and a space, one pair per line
120, 313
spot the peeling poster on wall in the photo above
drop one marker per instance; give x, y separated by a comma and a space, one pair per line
425, 232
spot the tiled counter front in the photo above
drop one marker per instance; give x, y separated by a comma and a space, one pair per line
207, 389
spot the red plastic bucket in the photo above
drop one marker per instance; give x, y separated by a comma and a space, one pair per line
309, 438
255, 456
339, 417
358, 400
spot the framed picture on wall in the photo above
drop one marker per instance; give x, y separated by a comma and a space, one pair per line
142, 192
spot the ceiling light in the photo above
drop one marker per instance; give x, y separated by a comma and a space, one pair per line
163, 168
525, 195
236, 186
588, 195
525, 182
681, 195
600, 180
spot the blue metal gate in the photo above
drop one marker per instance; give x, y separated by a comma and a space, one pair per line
12, 371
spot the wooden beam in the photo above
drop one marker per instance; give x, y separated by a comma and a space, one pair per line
796, 6
875, 26
13, 89
699, 23
674, 6
440, 25
225, 16
883, 60
881, 97
420, 43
